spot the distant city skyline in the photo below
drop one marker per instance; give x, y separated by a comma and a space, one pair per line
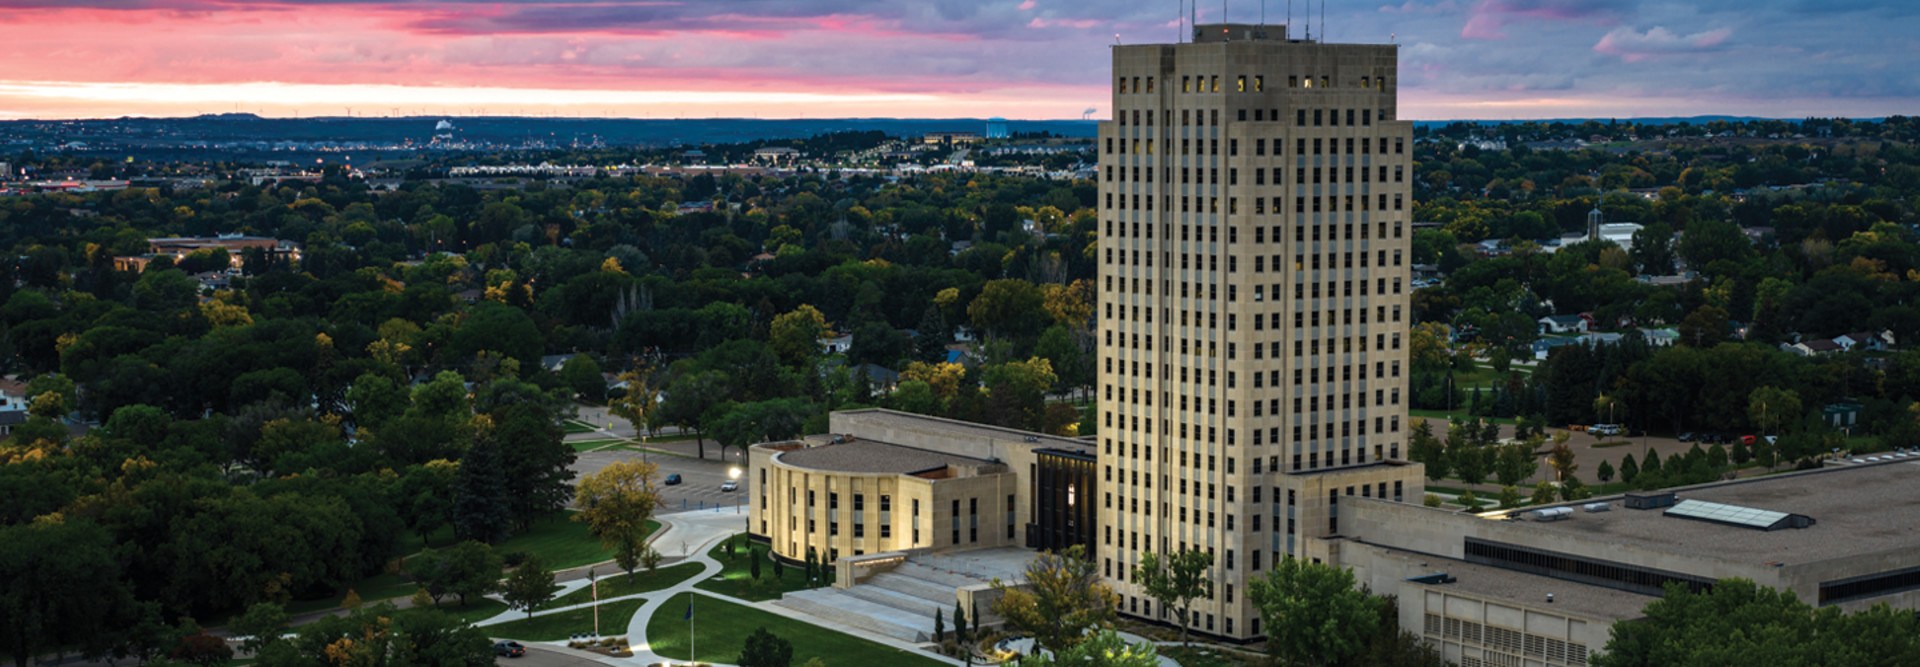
1031, 59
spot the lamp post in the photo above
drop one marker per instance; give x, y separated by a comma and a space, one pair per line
733, 475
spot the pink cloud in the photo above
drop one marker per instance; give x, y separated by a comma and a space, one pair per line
1490, 16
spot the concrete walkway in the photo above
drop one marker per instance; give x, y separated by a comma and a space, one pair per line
689, 536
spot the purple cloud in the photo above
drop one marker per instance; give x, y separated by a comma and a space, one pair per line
1490, 16
1633, 46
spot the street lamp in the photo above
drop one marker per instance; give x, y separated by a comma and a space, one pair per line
733, 474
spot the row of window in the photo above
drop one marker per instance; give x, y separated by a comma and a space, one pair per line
1273, 462
1241, 83
1211, 175
1309, 375
1189, 146
1211, 233
1513, 643
1309, 432
1211, 405
1300, 204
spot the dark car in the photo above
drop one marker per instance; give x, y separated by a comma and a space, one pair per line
1688, 437
673, 479
509, 649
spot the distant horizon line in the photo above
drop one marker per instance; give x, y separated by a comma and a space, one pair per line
246, 114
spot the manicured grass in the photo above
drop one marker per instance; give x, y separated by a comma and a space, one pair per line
587, 445
677, 437
1199, 656
576, 426
614, 617
475, 611
371, 589
559, 542
723, 628
615, 584
1444, 417
1616, 443
737, 577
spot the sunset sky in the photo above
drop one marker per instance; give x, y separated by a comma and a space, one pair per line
1032, 59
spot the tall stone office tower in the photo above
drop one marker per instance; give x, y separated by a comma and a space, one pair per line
1253, 312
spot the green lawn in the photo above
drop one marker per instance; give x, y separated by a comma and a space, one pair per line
614, 584
724, 626
576, 426
558, 541
586, 445
614, 617
737, 577
1199, 656
1444, 416
677, 437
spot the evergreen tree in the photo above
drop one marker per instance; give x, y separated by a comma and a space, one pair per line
1604, 472
1628, 469
480, 509
753, 558
1652, 465
959, 622
930, 340
939, 625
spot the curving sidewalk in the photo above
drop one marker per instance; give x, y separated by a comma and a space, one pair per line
689, 536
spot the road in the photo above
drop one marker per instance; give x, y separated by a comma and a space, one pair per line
700, 480
542, 656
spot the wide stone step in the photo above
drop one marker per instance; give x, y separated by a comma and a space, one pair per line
855, 613
935, 575
907, 585
900, 601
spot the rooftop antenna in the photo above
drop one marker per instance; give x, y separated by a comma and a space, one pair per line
1323, 20
1180, 22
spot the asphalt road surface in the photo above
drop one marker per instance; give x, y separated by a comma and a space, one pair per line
538, 656
699, 485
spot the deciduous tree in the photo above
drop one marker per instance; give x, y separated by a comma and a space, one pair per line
1175, 581
1313, 613
1064, 599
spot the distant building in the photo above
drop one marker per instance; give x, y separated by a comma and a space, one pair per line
776, 154
996, 128
1845, 414
950, 138
1563, 324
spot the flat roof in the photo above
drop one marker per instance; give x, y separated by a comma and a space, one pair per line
872, 456
960, 430
1858, 509
1513, 587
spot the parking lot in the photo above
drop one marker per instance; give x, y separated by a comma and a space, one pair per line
699, 479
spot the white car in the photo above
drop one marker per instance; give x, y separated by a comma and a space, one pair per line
729, 485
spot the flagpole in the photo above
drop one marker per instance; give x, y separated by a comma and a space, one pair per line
693, 658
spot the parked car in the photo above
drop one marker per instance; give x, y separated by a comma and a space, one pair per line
509, 649
729, 485
1748, 440
1689, 436
673, 479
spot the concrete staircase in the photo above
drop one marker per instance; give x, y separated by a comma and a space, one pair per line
900, 603
837, 607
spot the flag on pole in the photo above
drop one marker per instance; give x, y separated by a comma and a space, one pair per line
689, 607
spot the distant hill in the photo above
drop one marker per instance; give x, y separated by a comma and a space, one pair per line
514, 130
1669, 120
